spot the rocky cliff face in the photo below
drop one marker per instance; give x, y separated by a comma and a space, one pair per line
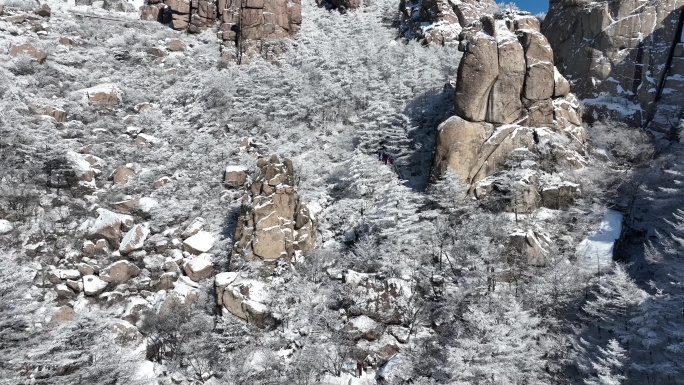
247, 27
441, 21
516, 121
623, 56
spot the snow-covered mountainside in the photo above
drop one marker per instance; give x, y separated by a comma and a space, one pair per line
356, 208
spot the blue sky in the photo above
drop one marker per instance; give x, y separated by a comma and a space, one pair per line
534, 6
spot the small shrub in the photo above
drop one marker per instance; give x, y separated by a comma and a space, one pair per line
23, 65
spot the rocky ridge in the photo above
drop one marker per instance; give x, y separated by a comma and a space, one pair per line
440, 21
247, 27
624, 58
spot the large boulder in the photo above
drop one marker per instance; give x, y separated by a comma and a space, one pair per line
235, 176
258, 23
109, 226
244, 298
199, 267
559, 196
199, 243
363, 327
103, 95
134, 239
152, 12
377, 294
28, 50
513, 191
93, 285
119, 272
59, 115
530, 244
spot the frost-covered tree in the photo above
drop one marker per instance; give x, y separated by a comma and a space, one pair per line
500, 343
608, 365
615, 296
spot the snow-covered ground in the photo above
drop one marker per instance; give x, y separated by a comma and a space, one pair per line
597, 247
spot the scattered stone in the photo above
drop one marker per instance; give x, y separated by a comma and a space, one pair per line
146, 205
17, 19
245, 299
67, 40
63, 314
175, 45
76, 286
29, 50
59, 115
199, 267
167, 281
193, 228
127, 333
235, 176
135, 306
125, 206
5, 226
87, 269
162, 182
199, 243
44, 11
121, 175
100, 247
103, 95
363, 327
145, 140
157, 52
134, 239
68, 274
64, 292
109, 225
144, 106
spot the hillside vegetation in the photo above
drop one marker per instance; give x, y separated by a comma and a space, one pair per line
411, 277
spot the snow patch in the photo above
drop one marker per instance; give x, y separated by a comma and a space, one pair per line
599, 245
5, 226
